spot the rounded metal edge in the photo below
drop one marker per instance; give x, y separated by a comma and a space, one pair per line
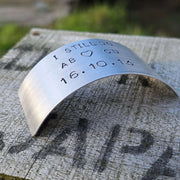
35, 130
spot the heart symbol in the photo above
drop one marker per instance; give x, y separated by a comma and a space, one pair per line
87, 53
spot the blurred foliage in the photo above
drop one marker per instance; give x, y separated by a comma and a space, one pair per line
107, 16
6, 177
9, 35
101, 18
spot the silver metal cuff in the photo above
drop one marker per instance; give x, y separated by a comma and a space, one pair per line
71, 67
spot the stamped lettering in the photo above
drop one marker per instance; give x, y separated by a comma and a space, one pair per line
55, 147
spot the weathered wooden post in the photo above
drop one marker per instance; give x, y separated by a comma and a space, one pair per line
125, 127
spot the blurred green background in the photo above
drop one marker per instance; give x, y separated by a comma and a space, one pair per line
134, 17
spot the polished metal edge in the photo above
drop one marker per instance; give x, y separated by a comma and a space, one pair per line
71, 67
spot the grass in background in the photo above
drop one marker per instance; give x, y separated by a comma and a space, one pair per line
100, 18
10, 34
103, 18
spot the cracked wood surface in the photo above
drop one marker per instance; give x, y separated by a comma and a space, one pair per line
123, 127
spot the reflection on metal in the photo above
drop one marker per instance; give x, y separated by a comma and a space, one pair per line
71, 67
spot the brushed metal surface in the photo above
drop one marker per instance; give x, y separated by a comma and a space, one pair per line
71, 67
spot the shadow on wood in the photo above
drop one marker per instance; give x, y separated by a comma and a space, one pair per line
103, 98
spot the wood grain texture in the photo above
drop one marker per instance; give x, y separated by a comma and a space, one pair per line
123, 127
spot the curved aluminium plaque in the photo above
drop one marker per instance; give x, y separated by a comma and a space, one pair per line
71, 67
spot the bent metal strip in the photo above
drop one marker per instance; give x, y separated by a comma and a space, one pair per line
71, 67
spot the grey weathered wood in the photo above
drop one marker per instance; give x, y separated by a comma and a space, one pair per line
97, 132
